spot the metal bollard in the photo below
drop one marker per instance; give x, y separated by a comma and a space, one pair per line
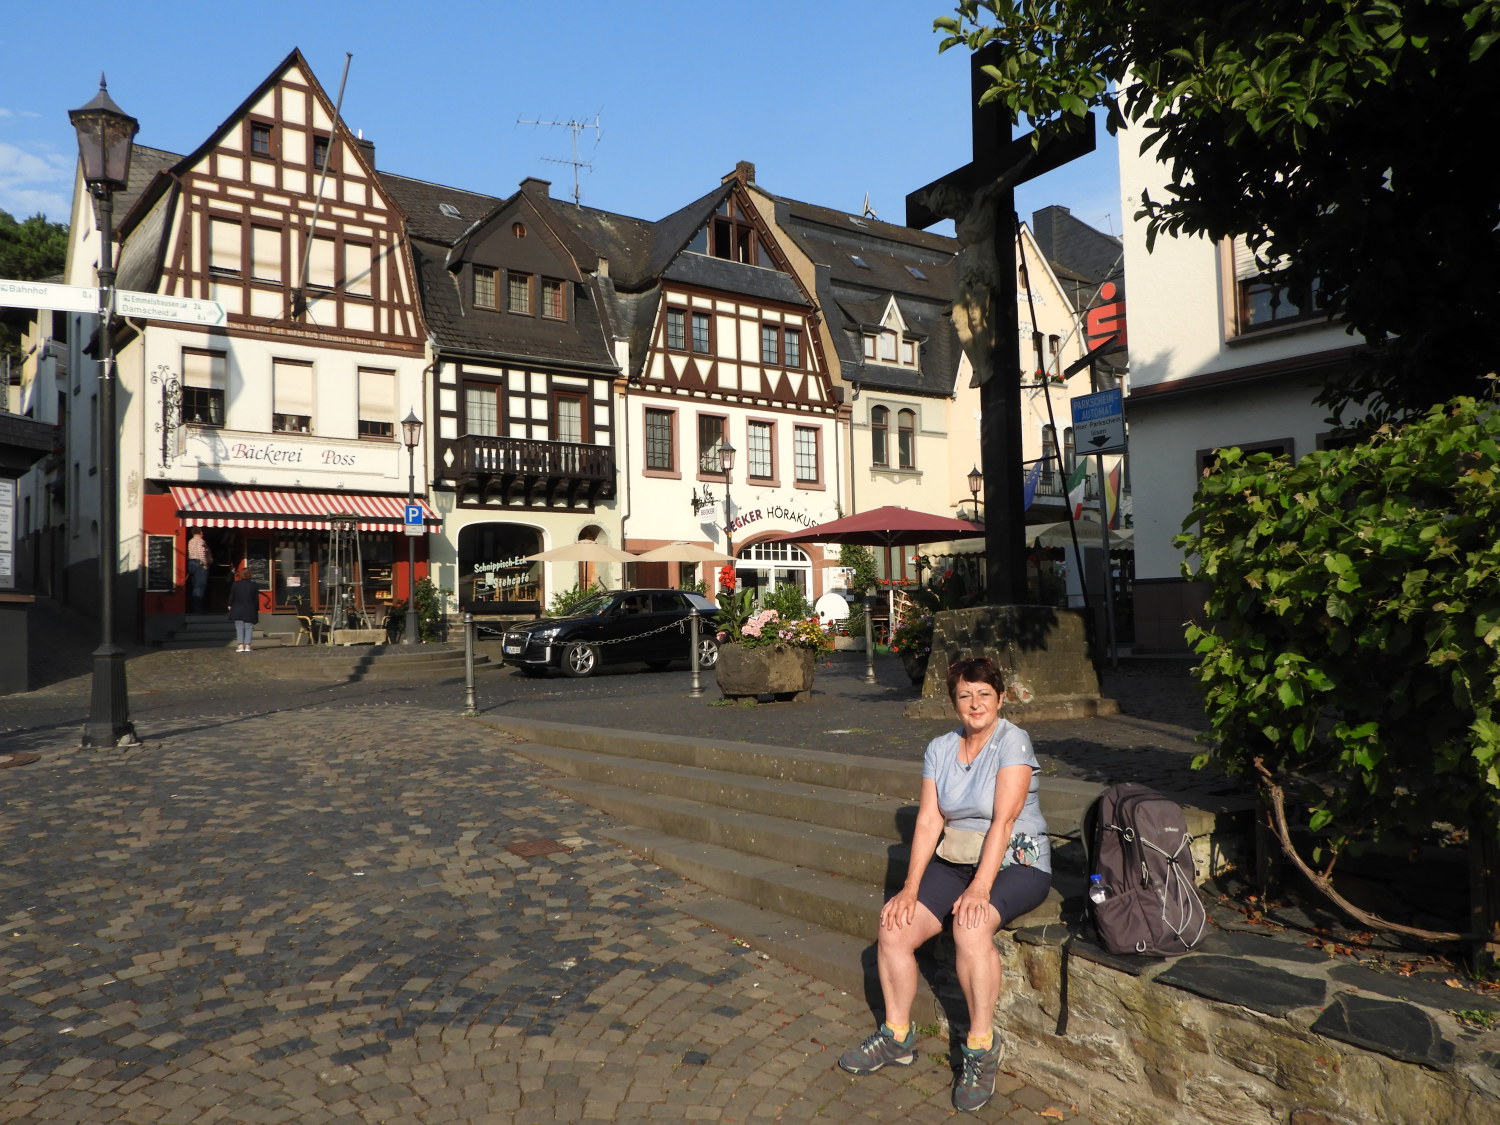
870, 604
470, 707
697, 689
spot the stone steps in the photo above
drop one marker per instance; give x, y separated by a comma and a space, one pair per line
795, 850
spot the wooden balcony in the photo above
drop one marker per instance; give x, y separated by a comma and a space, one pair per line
524, 473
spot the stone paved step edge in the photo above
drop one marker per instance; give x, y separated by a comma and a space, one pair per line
882, 818
853, 772
1221, 836
845, 906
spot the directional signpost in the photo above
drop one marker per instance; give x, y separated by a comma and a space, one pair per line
81, 298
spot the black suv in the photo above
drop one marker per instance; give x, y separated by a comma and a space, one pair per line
615, 627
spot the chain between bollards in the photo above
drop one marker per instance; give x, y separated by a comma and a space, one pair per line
470, 707
697, 689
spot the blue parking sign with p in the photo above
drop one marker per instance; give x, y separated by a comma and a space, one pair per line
413, 514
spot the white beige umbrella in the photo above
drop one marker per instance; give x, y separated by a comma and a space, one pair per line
1058, 535
682, 552
585, 550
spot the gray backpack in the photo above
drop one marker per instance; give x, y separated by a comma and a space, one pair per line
1142, 852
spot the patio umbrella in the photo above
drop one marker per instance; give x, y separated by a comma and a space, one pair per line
889, 526
1057, 535
585, 550
682, 552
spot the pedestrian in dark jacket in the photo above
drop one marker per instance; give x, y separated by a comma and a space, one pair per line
244, 608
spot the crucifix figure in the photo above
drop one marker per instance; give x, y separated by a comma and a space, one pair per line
980, 199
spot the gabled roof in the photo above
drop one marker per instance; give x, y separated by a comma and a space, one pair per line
443, 243
863, 265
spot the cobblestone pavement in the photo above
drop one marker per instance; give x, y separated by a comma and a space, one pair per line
354, 913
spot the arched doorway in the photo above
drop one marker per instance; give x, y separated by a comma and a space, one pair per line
764, 566
494, 577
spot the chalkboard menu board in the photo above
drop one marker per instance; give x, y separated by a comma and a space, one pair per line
160, 563
258, 562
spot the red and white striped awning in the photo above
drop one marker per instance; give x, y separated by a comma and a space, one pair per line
264, 507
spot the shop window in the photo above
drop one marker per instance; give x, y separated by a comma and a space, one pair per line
377, 403
292, 397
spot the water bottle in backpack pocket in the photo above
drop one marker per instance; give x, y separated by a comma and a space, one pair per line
1141, 851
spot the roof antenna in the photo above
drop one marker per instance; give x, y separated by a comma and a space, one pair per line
867, 211
577, 126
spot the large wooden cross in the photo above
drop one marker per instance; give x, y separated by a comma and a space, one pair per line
980, 198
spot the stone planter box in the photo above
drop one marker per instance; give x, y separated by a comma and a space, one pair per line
787, 674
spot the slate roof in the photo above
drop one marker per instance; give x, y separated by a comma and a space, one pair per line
1085, 253
855, 296
424, 206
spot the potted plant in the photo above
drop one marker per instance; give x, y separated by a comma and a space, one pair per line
764, 650
913, 644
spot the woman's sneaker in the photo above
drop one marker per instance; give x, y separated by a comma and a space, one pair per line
878, 1050
976, 1077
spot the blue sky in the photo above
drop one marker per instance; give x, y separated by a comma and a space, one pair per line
830, 100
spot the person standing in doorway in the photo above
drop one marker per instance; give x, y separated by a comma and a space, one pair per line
244, 608
200, 558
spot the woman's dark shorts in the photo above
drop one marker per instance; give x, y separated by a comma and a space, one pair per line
1018, 889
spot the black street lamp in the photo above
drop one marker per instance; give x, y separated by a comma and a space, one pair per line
726, 466
976, 482
411, 433
105, 136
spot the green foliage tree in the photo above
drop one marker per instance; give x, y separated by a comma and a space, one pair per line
1351, 647
864, 573
1342, 137
29, 251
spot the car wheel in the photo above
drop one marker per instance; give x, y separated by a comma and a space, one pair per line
708, 652
580, 659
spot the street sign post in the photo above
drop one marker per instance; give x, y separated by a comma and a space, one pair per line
413, 520
1099, 422
82, 298
43, 295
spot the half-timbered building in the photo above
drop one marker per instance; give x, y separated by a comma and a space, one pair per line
723, 350
522, 369
282, 418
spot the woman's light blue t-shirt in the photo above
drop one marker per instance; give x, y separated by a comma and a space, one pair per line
966, 797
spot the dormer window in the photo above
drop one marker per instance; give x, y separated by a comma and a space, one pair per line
554, 300
730, 235
486, 288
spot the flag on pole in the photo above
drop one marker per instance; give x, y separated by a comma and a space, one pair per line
1077, 488
1033, 477
1112, 497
